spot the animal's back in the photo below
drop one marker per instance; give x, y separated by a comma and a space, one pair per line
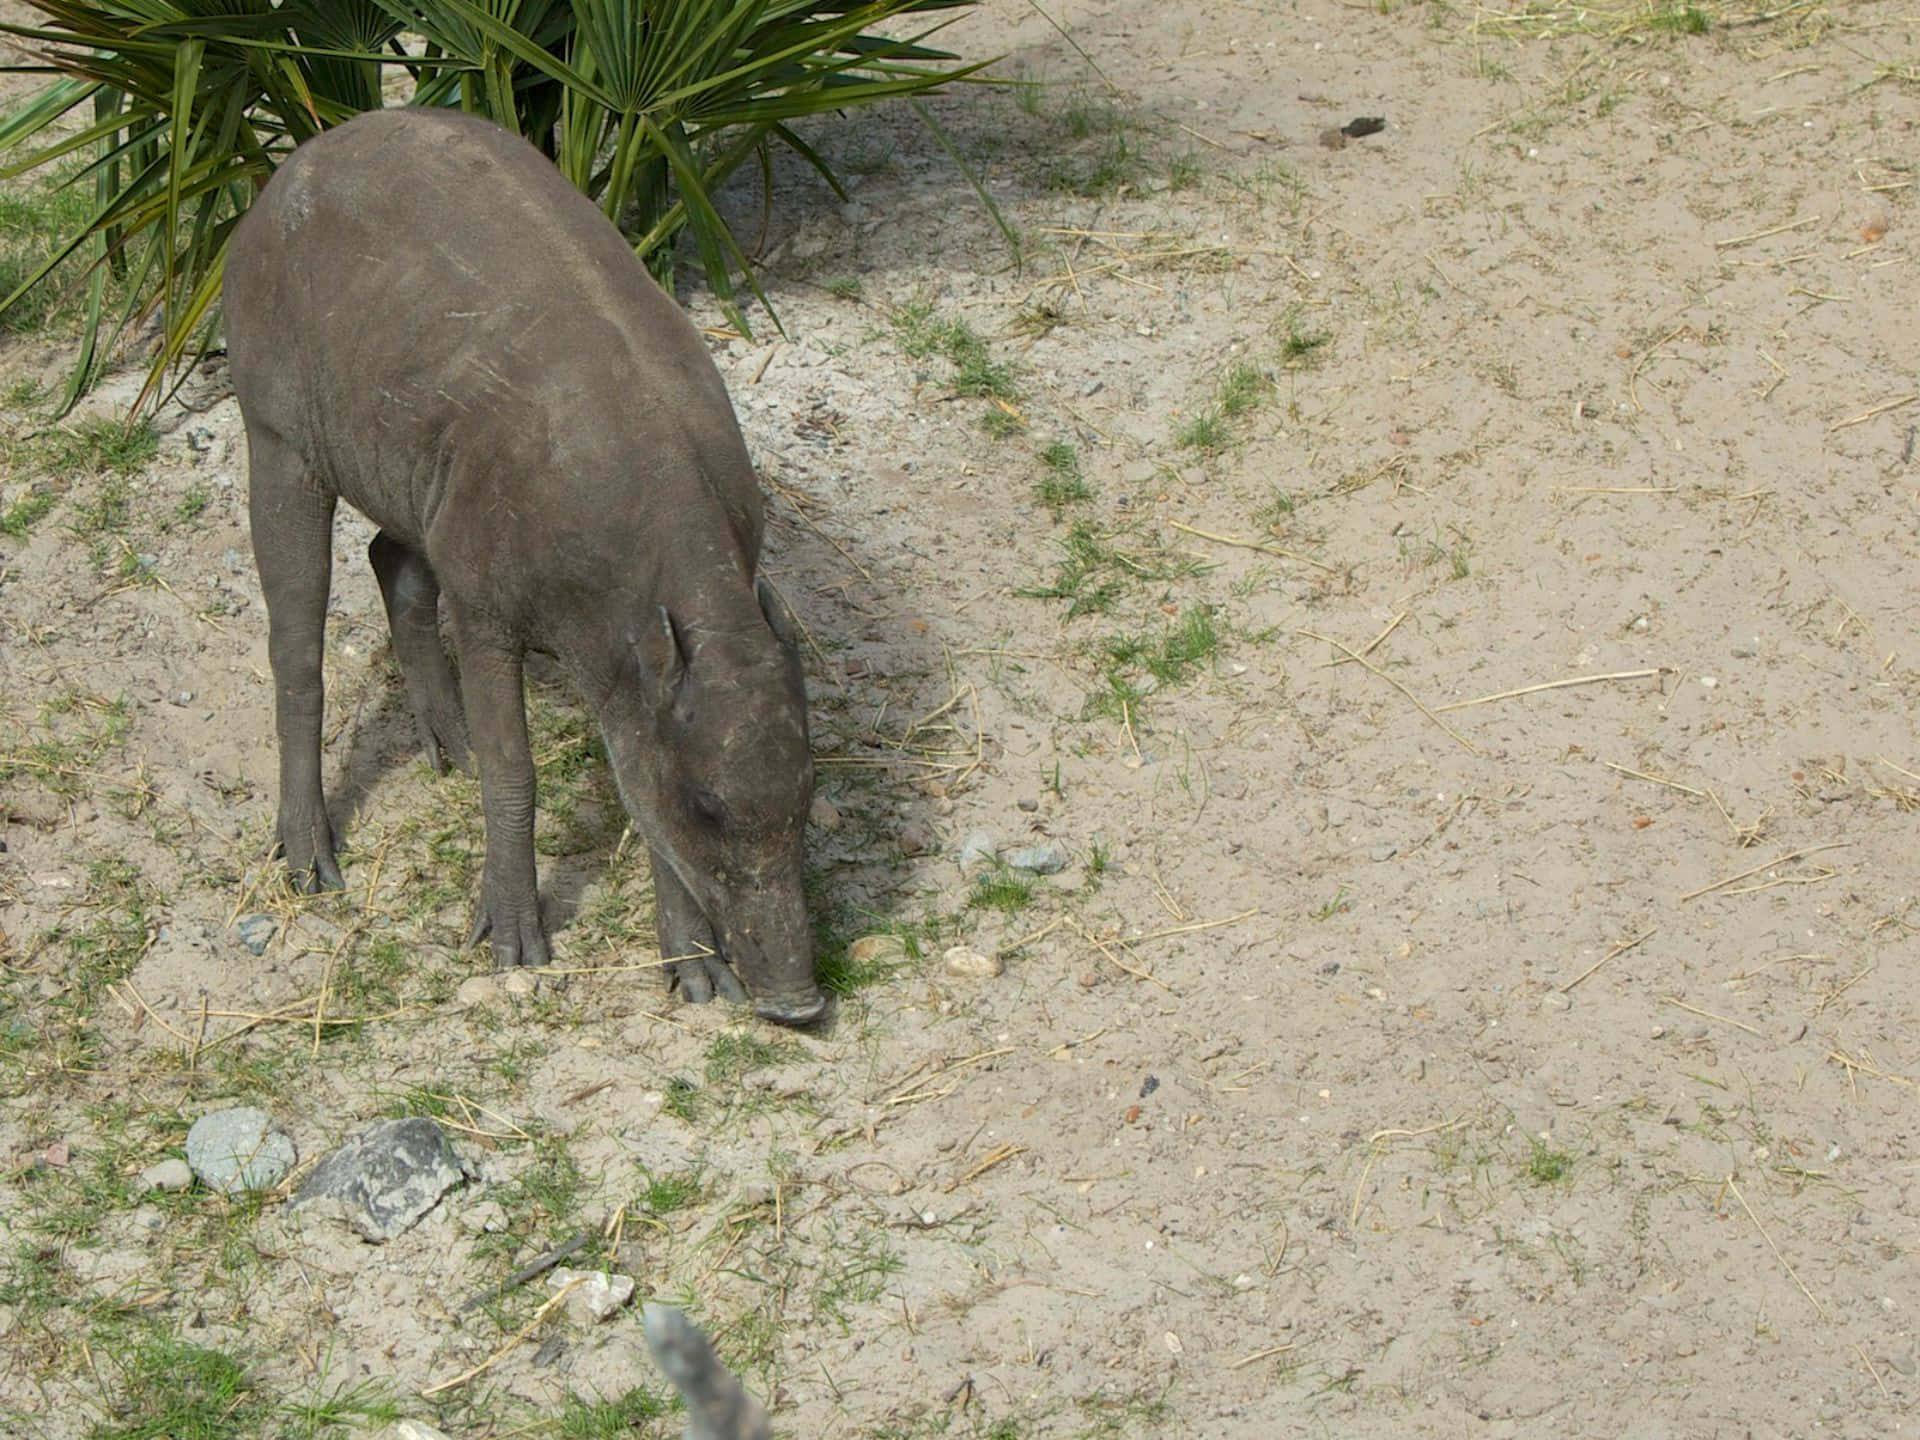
418, 289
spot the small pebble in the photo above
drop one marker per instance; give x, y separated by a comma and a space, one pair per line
1554, 1000
595, 1294
1332, 967
822, 814
961, 960
478, 990
1029, 804
871, 949
169, 1174
1382, 853
519, 982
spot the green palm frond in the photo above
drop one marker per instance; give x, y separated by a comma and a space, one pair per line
647, 106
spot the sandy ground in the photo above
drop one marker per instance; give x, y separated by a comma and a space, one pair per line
1399, 1055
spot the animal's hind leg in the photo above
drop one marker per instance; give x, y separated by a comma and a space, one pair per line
412, 597
292, 523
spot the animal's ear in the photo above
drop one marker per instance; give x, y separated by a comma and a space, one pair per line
662, 657
779, 618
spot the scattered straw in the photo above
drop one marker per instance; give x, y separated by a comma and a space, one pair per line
1378, 1144
922, 1090
539, 1319
1675, 1000
1618, 489
1734, 1187
1788, 858
1243, 544
1196, 925
1370, 646
1868, 414
1570, 681
1620, 949
1840, 1057
1258, 1355
998, 1156
1800, 224
1418, 703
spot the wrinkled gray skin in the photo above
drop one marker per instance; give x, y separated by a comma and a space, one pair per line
427, 321
718, 1407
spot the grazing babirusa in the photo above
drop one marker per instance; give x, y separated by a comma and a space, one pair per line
426, 320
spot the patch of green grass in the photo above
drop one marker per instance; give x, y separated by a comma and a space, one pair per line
675, 1191
855, 1273
1061, 483
1546, 1165
172, 1390
191, 504
681, 1098
1193, 640
107, 933
33, 221
1085, 116
1183, 171
1303, 348
1205, 431
1001, 889
847, 287
1002, 423
616, 1419
1277, 511
1338, 905
1455, 553
28, 394
1117, 162
1084, 578
19, 518
1680, 20
1242, 389
352, 1408
732, 1054
921, 332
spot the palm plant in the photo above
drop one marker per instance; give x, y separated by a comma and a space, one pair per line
646, 105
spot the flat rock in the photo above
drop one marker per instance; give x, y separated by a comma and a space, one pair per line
255, 931
980, 849
239, 1149
382, 1182
1046, 859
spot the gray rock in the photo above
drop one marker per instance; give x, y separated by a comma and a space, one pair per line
169, 1174
1383, 853
239, 1149
381, 1183
1048, 859
981, 849
592, 1295
255, 931
718, 1407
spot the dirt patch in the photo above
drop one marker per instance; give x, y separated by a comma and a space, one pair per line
1450, 591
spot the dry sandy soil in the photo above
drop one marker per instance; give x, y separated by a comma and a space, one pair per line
1481, 1001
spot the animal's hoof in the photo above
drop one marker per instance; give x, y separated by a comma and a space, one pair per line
521, 942
702, 978
801, 1009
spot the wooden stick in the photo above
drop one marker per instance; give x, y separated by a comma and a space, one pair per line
1620, 949
1366, 664
1559, 685
1266, 1354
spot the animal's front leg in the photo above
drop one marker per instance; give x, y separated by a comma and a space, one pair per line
496, 704
683, 931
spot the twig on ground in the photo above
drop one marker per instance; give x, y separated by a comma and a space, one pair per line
1418, 703
1620, 949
